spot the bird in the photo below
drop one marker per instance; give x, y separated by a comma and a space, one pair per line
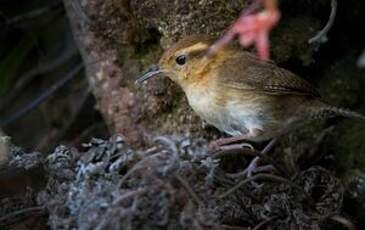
241, 95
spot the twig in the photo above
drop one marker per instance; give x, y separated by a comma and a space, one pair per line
26, 78
263, 223
340, 219
264, 168
25, 211
322, 35
41, 98
105, 221
230, 227
75, 4
137, 166
314, 155
128, 195
33, 14
168, 143
252, 29
261, 176
269, 146
52, 140
251, 8
188, 188
225, 39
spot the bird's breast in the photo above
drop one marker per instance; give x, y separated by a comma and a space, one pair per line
230, 116
236, 116
204, 103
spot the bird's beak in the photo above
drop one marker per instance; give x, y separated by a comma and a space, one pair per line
151, 72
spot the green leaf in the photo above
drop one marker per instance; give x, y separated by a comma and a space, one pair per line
10, 65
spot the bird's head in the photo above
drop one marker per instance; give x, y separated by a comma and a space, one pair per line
185, 62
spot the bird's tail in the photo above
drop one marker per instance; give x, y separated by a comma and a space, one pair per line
321, 110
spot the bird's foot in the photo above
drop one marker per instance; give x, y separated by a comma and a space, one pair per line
227, 144
224, 146
253, 166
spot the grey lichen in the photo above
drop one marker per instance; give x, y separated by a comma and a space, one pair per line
175, 184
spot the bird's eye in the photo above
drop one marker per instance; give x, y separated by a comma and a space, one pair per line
181, 60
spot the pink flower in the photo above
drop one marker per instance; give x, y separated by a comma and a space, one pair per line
252, 29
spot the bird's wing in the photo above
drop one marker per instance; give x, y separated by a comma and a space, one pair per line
248, 73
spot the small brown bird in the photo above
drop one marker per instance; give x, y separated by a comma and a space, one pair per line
239, 94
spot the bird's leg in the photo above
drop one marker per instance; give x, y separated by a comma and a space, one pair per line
252, 167
226, 143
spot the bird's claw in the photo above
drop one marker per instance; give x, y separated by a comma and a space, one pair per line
217, 146
252, 167
214, 146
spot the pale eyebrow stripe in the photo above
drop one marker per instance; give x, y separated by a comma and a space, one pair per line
195, 48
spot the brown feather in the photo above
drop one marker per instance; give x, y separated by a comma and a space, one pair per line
245, 72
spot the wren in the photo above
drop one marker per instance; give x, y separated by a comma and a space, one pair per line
246, 97
240, 94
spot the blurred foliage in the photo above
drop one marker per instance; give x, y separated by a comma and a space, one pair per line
37, 52
10, 65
